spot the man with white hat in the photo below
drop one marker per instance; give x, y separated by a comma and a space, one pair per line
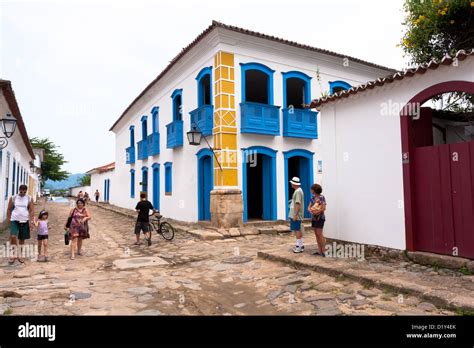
296, 213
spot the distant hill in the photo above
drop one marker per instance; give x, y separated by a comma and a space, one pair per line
72, 180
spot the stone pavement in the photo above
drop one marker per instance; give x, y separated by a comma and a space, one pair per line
187, 276
443, 287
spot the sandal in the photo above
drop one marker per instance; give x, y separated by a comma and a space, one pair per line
137, 243
72, 257
21, 260
11, 262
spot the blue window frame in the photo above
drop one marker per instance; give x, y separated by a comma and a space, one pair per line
168, 178
257, 83
145, 179
7, 175
13, 178
154, 119
203, 116
143, 144
338, 86
132, 183
154, 136
177, 98
174, 130
258, 114
132, 136
204, 82
144, 120
296, 89
130, 151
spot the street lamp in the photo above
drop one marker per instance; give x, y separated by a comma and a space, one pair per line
194, 138
8, 128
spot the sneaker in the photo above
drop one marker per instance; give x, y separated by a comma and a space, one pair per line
297, 250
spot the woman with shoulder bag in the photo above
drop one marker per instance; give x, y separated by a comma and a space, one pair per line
78, 229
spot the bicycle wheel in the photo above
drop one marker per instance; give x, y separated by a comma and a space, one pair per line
167, 231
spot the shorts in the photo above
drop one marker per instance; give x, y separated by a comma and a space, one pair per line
42, 236
295, 225
318, 223
21, 230
142, 226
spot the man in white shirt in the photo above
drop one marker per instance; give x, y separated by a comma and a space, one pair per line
20, 214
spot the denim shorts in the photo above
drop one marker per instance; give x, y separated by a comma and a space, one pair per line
295, 225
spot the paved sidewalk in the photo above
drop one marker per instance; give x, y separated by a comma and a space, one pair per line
444, 288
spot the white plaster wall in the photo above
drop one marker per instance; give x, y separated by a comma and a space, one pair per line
97, 183
361, 149
182, 204
74, 191
18, 151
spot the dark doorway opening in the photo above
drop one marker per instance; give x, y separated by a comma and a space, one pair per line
206, 90
255, 189
295, 91
256, 87
300, 167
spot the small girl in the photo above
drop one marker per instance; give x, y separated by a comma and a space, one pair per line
42, 225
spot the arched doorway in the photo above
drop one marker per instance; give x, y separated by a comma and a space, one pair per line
259, 183
299, 163
438, 181
205, 183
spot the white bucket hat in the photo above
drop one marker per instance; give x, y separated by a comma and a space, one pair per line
295, 181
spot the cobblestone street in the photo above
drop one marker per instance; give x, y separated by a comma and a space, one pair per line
189, 276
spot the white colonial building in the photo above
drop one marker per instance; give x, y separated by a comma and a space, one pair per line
398, 171
246, 92
19, 163
101, 180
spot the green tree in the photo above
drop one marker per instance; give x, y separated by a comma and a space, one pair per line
52, 162
435, 28
85, 180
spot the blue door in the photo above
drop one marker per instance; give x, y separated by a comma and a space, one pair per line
105, 190
299, 163
205, 186
267, 190
156, 187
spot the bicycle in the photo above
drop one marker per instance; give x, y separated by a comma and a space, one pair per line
162, 228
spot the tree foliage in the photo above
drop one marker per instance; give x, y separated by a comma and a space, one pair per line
52, 162
435, 28
85, 180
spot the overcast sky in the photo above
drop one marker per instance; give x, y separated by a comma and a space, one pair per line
76, 65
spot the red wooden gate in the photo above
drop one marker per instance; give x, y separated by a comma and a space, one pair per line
443, 204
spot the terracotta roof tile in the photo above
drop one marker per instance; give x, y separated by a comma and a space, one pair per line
216, 24
421, 69
9, 94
